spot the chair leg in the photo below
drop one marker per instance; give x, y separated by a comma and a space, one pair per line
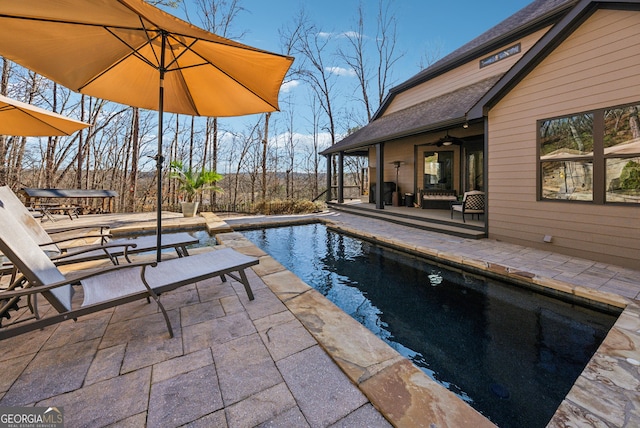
165, 315
247, 286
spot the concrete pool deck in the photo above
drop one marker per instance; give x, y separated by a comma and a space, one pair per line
291, 358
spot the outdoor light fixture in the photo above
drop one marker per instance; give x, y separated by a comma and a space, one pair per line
466, 125
448, 140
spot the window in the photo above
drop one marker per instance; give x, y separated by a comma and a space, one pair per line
593, 156
566, 158
622, 154
438, 170
474, 167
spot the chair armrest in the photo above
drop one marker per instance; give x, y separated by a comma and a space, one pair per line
72, 279
103, 238
73, 228
90, 248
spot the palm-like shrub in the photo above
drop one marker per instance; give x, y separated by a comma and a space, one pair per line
193, 183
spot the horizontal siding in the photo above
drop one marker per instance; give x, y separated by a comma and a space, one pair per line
597, 66
464, 75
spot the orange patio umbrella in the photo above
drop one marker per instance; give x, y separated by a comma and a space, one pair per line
132, 53
26, 120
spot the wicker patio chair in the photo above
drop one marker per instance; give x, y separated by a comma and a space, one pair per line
472, 203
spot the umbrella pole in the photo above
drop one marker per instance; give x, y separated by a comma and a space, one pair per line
159, 158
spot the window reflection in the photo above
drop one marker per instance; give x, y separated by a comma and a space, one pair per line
566, 154
569, 180
438, 170
622, 154
567, 137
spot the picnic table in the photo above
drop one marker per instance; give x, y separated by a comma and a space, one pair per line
43, 200
47, 209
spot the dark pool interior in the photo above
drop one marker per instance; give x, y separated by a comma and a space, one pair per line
509, 352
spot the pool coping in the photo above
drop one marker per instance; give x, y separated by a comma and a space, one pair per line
408, 397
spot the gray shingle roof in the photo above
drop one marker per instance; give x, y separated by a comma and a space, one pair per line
515, 26
428, 115
452, 107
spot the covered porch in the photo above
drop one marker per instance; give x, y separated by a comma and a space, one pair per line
429, 152
433, 220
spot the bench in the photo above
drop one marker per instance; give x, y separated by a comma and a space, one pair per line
438, 199
33, 197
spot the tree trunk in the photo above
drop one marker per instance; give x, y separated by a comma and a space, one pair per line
135, 148
264, 155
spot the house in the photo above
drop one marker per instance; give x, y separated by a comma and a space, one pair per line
540, 113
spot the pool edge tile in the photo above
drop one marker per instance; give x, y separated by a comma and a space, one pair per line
409, 398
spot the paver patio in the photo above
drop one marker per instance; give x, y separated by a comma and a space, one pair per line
290, 358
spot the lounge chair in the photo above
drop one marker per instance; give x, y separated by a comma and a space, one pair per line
107, 288
472, 203
112, 249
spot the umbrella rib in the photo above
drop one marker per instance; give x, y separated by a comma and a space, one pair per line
134, 52
61, 21
42, 121
127, 27
205, 62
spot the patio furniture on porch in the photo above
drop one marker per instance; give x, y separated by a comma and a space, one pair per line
438, 199
472, 203
387, 192
103, 289
112, 249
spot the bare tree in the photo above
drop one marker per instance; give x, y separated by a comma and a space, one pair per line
356, 55
135, 155
216, 16
432, 53
312, 46
4, 81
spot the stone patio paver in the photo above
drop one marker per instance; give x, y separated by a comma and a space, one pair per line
304, 362
184, 398
322, 403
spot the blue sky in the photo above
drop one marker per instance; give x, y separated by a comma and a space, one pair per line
422, 26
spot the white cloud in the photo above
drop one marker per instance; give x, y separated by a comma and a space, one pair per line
302, 141
288, 86
325, 35
351, 34
341, 71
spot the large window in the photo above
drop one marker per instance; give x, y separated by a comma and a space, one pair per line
474, 167
622, 154
438, 170
592, 156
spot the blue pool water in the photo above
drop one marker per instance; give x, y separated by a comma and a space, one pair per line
510, 353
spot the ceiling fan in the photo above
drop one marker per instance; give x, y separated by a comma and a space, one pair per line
448, 140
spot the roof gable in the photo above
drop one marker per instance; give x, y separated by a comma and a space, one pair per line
531, 18
550, 41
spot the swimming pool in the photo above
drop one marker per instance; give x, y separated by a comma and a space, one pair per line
510, 353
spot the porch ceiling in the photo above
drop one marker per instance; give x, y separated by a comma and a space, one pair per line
436, 113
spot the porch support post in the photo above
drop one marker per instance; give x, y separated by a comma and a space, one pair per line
328, 194
341, 177
379, 176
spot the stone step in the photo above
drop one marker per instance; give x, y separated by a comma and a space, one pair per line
429, 224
